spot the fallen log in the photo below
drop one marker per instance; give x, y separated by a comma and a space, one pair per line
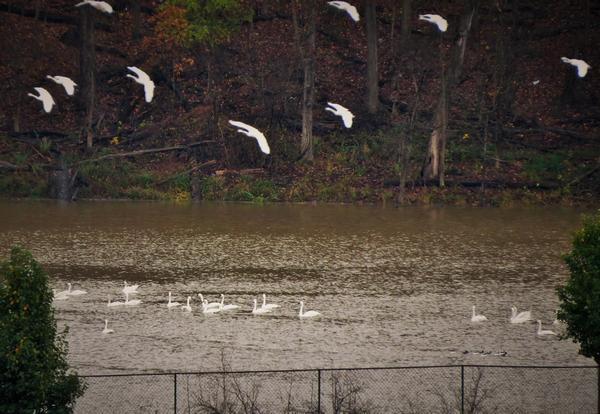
147, 151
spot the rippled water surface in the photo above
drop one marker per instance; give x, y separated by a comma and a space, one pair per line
395, 286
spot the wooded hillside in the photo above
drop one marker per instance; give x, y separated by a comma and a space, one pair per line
484, 113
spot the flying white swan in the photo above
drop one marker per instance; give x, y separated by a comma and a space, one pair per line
129, 288
582, 65
266, 305
339, 110
542, 332
254, 133
207, 310
99, 5
519, 317
348, 8
477, 318
133, 302
436, 19
45, 97
66, 83
211, 304
172, 304
106, 330
60, 295
111, 304
307, 314
224, 307
75, 292
143, 79
259, 311
187, 307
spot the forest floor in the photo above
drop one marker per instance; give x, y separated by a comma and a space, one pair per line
545, 150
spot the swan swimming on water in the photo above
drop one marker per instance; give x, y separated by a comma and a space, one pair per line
172, 304
259, 311
187, 307
542, 332
75, 292
60, 295
211, 304
133, 302
207, 310
477, 318
117, 303
224, 307
307, 314
106, 330
266, 305
519, 317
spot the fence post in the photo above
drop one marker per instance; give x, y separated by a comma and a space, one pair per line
175, 393
319, 391
462, 389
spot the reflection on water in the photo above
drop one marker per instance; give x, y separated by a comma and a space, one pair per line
395, 286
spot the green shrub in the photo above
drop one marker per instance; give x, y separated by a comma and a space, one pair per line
33, 367
580, 296
545, 167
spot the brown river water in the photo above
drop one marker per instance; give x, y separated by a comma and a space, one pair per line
395, 286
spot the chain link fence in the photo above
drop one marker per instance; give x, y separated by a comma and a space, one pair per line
435, 389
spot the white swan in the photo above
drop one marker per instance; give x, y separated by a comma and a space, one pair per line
542, 332
206, 309
106, 330
130, 288
253, 133
111, 304
60, 295
581, 65
75, 292
348, 8
133, 302
45, 97
211, 304
143, 79
339, 110
307, 314
66, 83
98, 5
477, 318
172, 304
259, 311
224, 307
519, 317
266, 305
439, 21
187, 307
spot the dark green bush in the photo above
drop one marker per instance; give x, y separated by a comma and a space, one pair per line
33, 368
580, 296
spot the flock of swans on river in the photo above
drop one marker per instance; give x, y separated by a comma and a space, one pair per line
142, 77
207, 308
211, 308
518, 317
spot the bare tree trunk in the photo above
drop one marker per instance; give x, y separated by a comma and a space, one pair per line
306, 43
372, 72
137, 19
435, 162
87, 72
404, 47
